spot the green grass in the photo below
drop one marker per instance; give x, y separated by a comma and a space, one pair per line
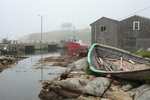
133, 84
147, 79
88, 71
144, 54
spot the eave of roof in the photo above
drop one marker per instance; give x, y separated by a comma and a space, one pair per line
120, 20
135, 16
102, 18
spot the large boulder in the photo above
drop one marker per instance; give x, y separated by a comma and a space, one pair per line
74, 84
80, 64
143, 92
97, 86
62, 92
69, 88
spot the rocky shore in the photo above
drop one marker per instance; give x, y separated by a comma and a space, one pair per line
77, 82
7, 60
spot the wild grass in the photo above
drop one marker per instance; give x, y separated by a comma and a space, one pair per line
144, 54
133, 84
147, 79
88, 71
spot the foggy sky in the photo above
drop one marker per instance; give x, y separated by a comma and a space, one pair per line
20, 17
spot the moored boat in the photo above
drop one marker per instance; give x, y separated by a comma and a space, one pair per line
74, 43
122, 64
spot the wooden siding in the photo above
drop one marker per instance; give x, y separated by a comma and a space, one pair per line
126, 34
109, 36
121, 34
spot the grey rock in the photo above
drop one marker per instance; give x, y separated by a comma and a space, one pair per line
97, 86
71, 83
88, 98
65, 93
127, 87
143, 92
80, 64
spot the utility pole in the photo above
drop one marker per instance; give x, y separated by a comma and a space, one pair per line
41, 43
41, 29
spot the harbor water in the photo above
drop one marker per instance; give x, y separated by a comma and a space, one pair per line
23, 80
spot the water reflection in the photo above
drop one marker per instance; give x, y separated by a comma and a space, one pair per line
62, 52
21, 80
71, 52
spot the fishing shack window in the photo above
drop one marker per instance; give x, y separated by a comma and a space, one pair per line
136, 25
103, 28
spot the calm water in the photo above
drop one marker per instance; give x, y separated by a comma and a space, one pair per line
22, 81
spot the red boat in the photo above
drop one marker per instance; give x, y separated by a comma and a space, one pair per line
76, 44
74, 51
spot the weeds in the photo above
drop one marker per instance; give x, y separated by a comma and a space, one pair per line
133, 84
147, 79
144, 54
88, 71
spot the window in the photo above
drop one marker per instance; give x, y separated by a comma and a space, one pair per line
103, 28
136, 25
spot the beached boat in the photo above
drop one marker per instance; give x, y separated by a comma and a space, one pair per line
122, 64
74, 43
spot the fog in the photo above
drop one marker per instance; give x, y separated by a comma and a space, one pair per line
20, 17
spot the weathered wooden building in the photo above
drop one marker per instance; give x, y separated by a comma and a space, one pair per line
130, 34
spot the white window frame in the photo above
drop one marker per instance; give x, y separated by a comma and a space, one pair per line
134, 22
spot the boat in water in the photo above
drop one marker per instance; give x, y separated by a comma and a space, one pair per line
119, 63
74, 43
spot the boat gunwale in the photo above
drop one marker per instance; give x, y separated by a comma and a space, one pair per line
118, 72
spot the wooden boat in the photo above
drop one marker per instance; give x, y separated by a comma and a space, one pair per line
122, 64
